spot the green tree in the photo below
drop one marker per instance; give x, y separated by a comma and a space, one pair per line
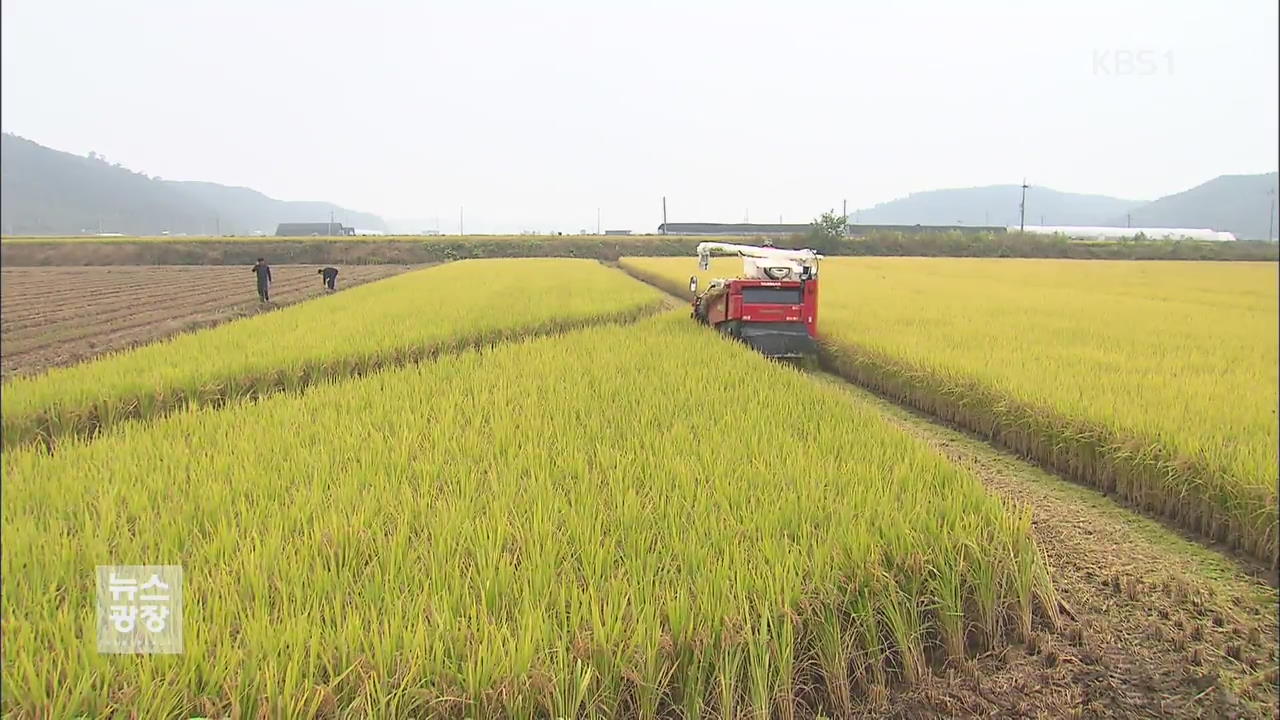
831, 225
826, 232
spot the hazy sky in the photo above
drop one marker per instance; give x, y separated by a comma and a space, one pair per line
535, 114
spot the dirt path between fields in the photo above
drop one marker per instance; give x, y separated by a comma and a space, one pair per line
1155, 625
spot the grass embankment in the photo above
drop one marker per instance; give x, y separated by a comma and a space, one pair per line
31, 251
388, 323
1155, 381
587, 525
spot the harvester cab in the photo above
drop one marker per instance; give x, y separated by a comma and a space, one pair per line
772, 306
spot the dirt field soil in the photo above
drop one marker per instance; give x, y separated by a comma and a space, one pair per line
56, 316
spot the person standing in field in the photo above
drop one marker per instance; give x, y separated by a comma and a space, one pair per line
330, 277
263, 271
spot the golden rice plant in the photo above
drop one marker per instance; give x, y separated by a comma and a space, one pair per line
1156, 381
384, 324
604, 523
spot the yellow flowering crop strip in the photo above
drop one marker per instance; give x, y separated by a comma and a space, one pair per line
598, 524
1154, 380
388, 323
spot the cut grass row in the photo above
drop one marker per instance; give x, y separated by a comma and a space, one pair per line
1156, 381
587, 525
385, 324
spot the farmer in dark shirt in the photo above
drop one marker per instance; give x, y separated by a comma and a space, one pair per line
263, 271
330, 277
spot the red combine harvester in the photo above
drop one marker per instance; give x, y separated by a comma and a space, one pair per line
773, 307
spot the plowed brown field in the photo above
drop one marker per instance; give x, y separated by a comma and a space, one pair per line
54, 316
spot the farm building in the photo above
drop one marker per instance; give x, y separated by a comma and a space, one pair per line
750, 229
856, 230
320, 229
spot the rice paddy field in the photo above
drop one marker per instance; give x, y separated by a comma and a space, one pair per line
529, 530
532, 489
1155, 380
409, 317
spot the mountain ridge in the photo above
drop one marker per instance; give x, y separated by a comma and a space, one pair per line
1232, 203
994, 205
51, 192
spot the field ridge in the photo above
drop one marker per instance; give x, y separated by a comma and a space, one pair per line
1139, 471
58, 425
1212, 655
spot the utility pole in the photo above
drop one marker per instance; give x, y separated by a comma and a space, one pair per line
1128, 220
597, 221
461, 229
664, 214
1271, 215
1022, 208
844, 209
331, 233
217, 225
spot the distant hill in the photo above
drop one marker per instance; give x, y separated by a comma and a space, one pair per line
1235, 203
49, 192
995, 205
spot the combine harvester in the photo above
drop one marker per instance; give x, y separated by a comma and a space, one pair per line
773, 306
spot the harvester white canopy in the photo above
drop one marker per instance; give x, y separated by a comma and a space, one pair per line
764, 263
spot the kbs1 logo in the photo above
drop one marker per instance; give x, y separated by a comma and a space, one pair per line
140, 609
1123, 63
